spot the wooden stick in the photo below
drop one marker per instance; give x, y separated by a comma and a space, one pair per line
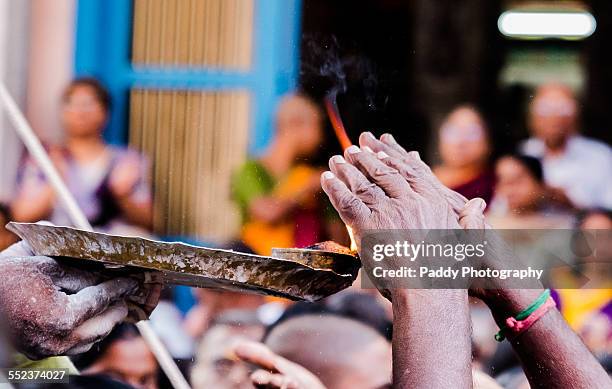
78, 218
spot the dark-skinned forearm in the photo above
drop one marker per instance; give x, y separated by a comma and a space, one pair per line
431, 339
552, 355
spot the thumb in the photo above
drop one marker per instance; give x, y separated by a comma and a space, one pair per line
256, 353
472, 215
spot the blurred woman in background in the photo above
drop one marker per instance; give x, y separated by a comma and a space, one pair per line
279, 193
464, 149
522, 200
111, 184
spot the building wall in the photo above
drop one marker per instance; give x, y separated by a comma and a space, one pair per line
36, 62
51, 58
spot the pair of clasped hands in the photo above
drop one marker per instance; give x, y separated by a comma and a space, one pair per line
378, 185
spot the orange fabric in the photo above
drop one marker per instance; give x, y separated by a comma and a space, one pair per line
262, 237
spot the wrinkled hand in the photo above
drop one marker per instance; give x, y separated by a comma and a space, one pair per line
55, 309
374, 192
276, 372
411, 167
470, 213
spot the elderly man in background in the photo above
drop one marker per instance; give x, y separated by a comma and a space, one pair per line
579, 166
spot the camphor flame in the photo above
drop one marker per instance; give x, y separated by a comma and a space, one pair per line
331, 105
353, 243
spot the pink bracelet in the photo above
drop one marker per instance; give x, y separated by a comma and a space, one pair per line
516, 327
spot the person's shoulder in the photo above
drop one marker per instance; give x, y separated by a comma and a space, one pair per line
123, 151
532, 147
251, 163
594, 149
246, 172
591, 144
251, 166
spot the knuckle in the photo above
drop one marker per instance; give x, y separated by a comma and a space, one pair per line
64, 325
334, 188
384, 173
364, 189
349, 204
405, 169
389, 177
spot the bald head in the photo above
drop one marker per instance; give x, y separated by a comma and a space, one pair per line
342, 352
553, 114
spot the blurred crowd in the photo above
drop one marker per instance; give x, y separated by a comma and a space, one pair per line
556, 179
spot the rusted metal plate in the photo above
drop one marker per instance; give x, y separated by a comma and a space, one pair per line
297, 274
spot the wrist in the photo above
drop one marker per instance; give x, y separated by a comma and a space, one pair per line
123, 195
428, 298
504, 303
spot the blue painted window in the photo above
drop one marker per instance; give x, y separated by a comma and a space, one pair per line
103, 50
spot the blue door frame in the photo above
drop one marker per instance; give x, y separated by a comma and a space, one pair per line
103, 46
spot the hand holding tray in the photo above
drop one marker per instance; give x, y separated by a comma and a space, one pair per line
298, 274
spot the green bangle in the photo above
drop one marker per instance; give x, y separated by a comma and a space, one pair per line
525, 313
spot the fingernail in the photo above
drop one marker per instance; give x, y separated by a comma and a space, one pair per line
369, 135
478, 203
481, 203
353, 150
338, 159
328, 175
389, 137
382, 155
369, 150
416, 155
259, 377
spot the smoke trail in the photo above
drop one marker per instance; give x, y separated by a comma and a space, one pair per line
337, 73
